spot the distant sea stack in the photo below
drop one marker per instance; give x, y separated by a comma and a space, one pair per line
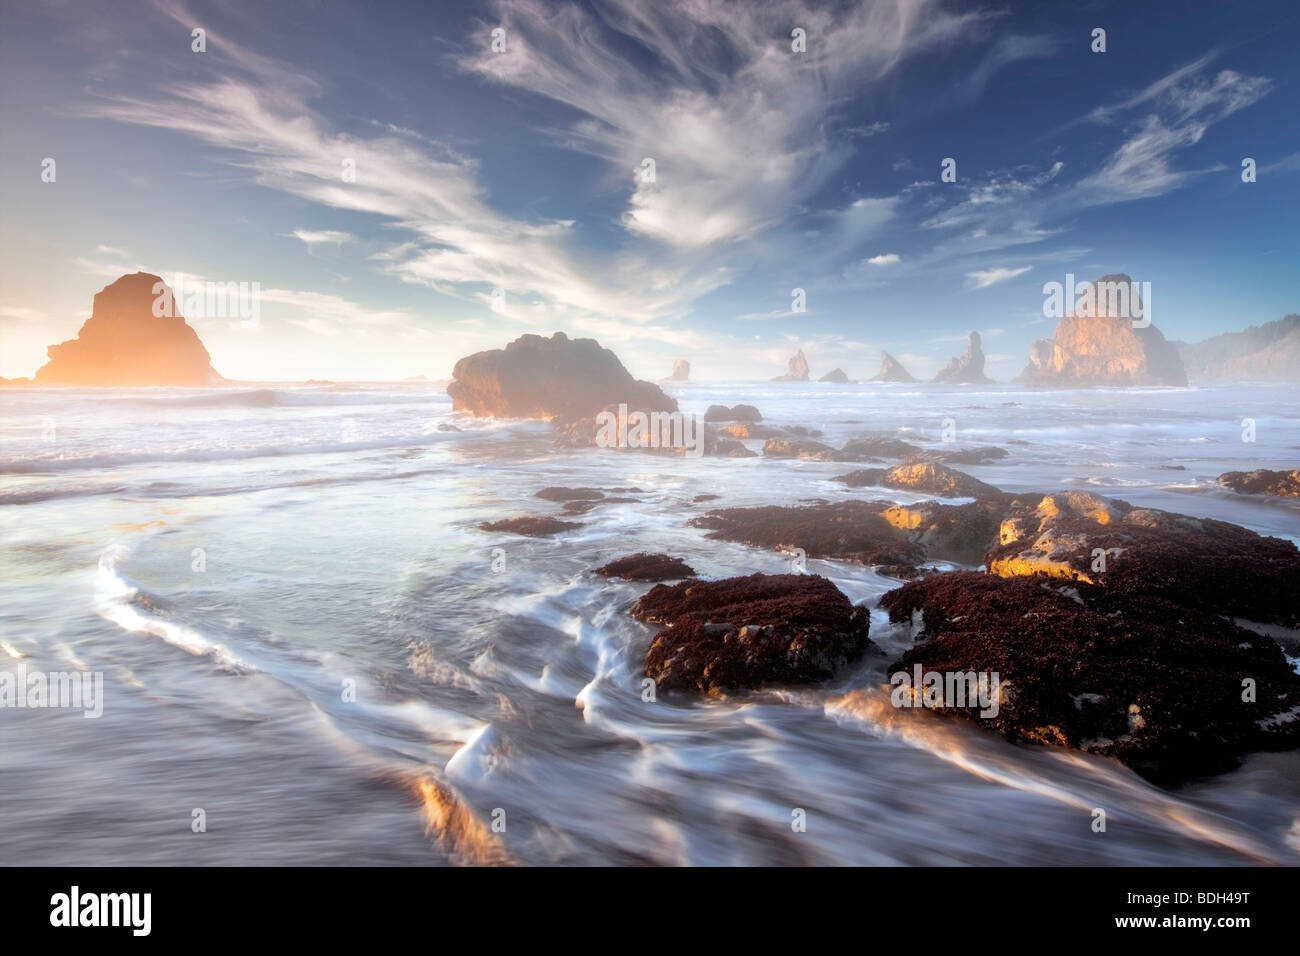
891, 370
556, 378
1101, 347
1261, 353
796, 369
681, 371
967, 368
124, 343
835, 376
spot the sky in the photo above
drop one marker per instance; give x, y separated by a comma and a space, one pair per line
658, 176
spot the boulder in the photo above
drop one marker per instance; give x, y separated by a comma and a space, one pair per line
557, 378
750, 632
922, 477
647, 567
124, 343
795, 448
1283, 484
530, 526
738, 413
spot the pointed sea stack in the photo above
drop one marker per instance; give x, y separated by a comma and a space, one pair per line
796, 369
967, 368
891, 370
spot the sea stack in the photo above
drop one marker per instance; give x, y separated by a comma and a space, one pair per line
891, 370
796, 369
1099, 345
835, 376
556, 378
681, 371
124, 343
967, 368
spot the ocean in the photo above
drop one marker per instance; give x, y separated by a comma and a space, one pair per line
312, 655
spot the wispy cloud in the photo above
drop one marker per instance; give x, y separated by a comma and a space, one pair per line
982, 280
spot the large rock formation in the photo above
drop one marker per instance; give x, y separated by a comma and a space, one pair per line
891, 370
1100, 346
681, 371
967, 368
835, 376
750, 632
796, 369
555, 378
1262, 481
1261, 353
124, 343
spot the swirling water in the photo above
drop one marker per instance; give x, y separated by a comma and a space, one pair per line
305, 635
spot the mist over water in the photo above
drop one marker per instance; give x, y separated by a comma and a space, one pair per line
337, 528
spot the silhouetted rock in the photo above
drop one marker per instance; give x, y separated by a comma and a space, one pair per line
1261, 353
739, 413
647, 567
835, 376
530, 527
968, 368
681, 371
796, 369
1101, 346
124, 343
923, 477
1124, 675
1284, 484
557, 378
891, 370
966, 456
1199, 563
750, 632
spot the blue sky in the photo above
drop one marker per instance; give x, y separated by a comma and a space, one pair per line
773, 170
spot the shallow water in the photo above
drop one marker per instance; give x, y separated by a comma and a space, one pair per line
232, 560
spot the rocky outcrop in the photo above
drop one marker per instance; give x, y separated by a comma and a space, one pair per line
873, 448
124, 343
835, 376
553, 493
1100, 347
1261, 353
647, 567
738, 413
556, 378
750, 632
925, 478
681, 371
891, 370
530, 527
796, 369
1198, 563
795, 448
1120, 674
1283, 484
967, 368
847, 530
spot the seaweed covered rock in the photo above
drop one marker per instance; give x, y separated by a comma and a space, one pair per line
1170, 691
848, 530
647, 567
795, 448
1199, 563
737, 413
919, 476
750, 632
1283, 484
570, 494
873, 448
530, 526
